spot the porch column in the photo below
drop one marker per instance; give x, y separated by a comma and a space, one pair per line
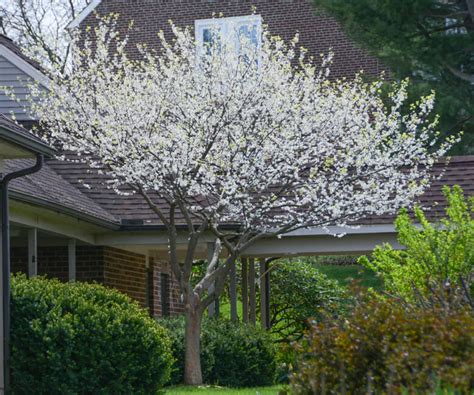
32, 252
252, 301
245, 295
233, 294
264, 294
213, 309
71, 249
267, 293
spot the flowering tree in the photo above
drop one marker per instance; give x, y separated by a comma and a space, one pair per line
242, 140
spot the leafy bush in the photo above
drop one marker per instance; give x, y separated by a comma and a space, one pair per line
83, 338
436, 256
301, 292
385, 347
232, 354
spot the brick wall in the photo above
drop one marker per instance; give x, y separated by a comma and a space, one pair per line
318, 31
53, 262
156, 302
89, 264
126, 272
19, 260
119, 269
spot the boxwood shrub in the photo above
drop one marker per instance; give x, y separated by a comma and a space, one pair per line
386, 347
79, 338
232, 354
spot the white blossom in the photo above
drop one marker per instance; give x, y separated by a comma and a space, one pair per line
260, 138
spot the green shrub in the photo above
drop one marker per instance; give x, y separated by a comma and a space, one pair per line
301, 292
385, 347
435, 256
83, 338
232, 354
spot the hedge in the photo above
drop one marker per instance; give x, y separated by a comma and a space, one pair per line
83, 338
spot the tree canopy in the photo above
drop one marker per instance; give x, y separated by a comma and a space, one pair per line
429, 41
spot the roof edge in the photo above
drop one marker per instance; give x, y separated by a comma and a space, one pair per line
83, 14
35, 147
24, 66
25, 198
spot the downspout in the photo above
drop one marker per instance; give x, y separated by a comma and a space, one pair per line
6, 262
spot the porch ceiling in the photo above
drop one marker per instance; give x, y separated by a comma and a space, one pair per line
300, 243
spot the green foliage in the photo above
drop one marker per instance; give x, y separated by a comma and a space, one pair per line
434, 254
232, 354
416, 39
384, 347
83, 338
301, 292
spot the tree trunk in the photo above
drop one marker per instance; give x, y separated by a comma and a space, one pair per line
192, 360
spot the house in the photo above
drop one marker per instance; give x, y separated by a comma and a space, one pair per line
67, 224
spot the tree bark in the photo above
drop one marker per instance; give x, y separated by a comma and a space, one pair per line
192, 361
470, 8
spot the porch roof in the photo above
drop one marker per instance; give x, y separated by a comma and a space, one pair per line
48, 189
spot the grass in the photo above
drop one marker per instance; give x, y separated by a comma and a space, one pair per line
211, 390
345, 274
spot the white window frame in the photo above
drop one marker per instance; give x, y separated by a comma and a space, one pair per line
227, 26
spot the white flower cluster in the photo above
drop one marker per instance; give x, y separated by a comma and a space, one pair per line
238, 134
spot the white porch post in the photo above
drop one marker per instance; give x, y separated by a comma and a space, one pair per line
32, 252
71, 249
252, 297
263, 293
233, 294
245, 296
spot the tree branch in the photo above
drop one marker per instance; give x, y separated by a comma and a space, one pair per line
154, 207
458, 73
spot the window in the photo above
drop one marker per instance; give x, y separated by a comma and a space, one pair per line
454, 26
230, 28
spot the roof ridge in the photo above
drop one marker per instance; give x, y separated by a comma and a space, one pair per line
5, 36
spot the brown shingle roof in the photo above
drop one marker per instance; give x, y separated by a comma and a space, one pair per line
460, 170
47, 187
130, 207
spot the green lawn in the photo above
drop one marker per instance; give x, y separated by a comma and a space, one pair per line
211, 390
345, 274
